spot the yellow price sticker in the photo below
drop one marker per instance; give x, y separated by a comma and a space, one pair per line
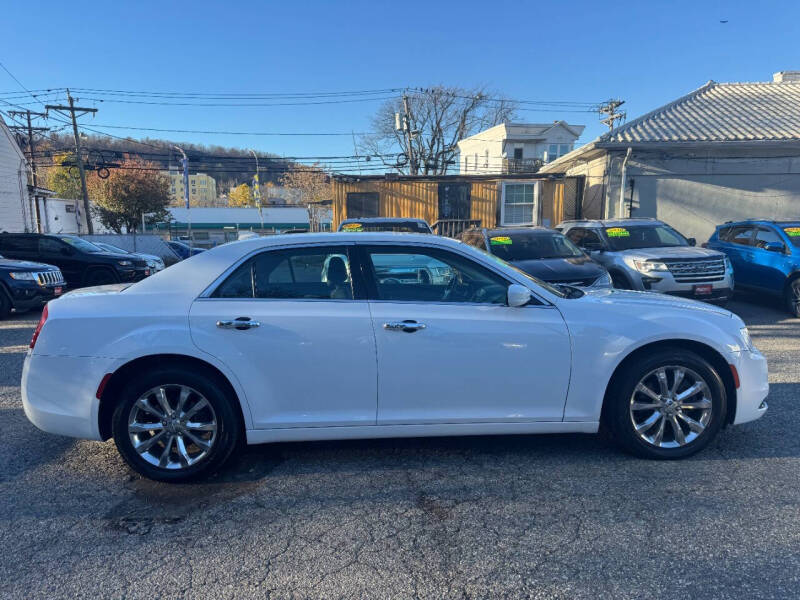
501, 240
617, 232
792, 231
353, 227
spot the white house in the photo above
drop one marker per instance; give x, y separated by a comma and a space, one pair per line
516, 147
726, 151
17, 213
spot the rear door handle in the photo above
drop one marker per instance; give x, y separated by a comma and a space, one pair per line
240, 323
409, 326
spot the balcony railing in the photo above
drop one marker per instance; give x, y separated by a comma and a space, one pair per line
522, 165
453, 227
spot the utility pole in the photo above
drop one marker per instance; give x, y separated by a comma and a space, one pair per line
72, 109
610, 108
406, 127
35, 182
257, 192
185, 164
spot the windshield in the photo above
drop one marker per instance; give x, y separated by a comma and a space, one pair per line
396, 226
530, 245
81, 245
793, 231
643, 236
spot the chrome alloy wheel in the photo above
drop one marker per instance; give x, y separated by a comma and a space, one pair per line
670, 407
172, 426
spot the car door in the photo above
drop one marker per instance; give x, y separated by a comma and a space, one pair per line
739, 248
298, 337
71, 263
769, 267
450, 350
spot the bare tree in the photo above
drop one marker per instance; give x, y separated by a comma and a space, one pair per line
438, 118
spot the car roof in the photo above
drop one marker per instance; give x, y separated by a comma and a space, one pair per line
502, 230
759, 221
385, 220
631, 222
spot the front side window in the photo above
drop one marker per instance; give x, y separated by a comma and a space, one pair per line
430, 275
767, 236
519, 201
81, 244
51, 247
319, 273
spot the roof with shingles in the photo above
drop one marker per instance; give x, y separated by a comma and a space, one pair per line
719, 112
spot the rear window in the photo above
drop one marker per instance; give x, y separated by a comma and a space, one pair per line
396, 226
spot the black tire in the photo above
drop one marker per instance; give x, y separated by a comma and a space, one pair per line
792, 297
223, 443
618, 415
101, 277
620, 282
5, 304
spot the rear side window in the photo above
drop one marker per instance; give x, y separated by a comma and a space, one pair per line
18, 243
742, 236
300, 273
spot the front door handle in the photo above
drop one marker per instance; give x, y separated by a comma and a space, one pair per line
409, 326
240, 323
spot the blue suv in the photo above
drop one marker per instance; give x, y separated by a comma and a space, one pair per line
765, 256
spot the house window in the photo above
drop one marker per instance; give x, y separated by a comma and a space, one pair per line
361, 205
555, 151
519, 203
517, 153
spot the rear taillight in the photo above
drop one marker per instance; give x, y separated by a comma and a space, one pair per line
38, 329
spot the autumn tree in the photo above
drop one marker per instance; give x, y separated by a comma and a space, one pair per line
438, 118
62, 177
134, 189
241, 195
311, 181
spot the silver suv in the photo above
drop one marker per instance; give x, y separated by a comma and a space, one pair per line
647, 254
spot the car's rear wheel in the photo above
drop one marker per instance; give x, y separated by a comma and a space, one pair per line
175, 425
668, 404
793, 297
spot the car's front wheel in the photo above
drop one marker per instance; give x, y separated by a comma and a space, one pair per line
668, 404
793, 297
175, 425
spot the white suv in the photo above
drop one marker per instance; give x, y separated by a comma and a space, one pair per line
649, 255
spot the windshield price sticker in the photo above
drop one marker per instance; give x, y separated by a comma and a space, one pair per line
792, 231
353, 227
618, 232
502, 240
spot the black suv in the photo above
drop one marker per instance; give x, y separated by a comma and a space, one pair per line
81, 262
25, 285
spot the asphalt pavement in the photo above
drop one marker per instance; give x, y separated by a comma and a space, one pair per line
565, 516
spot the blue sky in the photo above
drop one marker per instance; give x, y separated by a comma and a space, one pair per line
645, 52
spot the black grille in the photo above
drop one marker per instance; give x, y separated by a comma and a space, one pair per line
697, 271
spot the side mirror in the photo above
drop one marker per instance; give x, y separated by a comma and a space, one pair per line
692, 242
518, 295
774, 247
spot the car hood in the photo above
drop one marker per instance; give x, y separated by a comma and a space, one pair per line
560, 269
24, 265
635, 299
678, 252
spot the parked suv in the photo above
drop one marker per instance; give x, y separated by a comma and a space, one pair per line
765, 256
81, 262
647, 254
25, 285
540, 252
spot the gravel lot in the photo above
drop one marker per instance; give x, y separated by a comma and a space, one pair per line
543, 517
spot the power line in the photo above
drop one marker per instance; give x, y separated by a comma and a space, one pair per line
259, 133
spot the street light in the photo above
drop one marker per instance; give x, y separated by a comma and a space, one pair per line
185, 164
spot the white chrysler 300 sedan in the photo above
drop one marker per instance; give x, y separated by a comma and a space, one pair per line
343, 335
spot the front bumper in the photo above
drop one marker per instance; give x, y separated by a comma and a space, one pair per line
664, 283
753, 386
58, 393
128, 275
27, 295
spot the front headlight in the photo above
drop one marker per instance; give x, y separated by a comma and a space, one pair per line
747, 342
648, 266
604, 281
124, 263
24, 276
